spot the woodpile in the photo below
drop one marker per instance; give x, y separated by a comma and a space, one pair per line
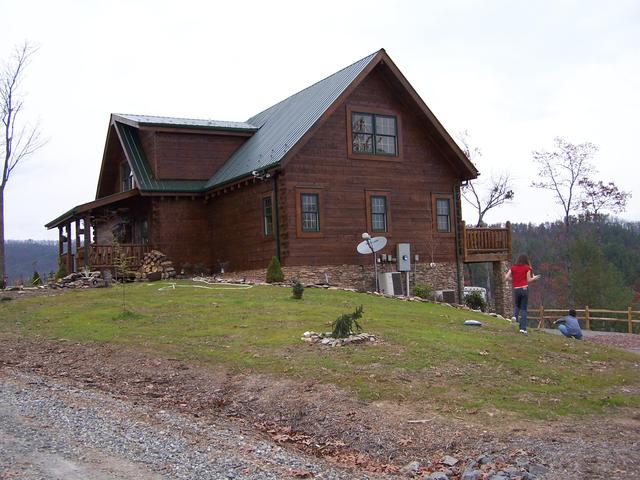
155, 266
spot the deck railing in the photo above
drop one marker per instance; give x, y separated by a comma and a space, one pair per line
103, 255
486, 244
588, 316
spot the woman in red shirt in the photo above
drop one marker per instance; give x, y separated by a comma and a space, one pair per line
521, 275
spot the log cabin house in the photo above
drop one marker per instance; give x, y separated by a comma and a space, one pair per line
356, 152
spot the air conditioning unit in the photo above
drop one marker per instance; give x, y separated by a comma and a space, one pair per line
390, 283
447, 296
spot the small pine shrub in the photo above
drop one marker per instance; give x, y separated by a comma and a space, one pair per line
274, 271
475, 301
35, 279
297, 289
344, 325
423, 291
62, 270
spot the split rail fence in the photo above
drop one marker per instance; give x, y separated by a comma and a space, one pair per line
588, 316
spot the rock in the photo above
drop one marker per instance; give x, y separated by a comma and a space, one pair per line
498, 476
449, 461
483, 459
538, 469
410, 468
471, 475
436, 476
326, 341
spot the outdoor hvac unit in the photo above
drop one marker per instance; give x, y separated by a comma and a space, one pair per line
390, 283
447, 296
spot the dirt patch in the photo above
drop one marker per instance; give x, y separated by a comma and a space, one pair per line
306, 414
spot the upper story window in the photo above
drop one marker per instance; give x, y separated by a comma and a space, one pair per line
373, 134
443, 214
310, 212
267, 216
126, 177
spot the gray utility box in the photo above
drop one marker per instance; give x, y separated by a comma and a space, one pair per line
404, 257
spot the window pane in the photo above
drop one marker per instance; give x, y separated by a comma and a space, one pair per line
442, 206
362, 123
267, 214
379, 213
362, 143
443, 223
385, 125
378, 204
386, 145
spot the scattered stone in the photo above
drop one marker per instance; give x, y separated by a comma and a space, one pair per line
326, 339
538, 469
449, 461
410, 468
436, 476
471, 475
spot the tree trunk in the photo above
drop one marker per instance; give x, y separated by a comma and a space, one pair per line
3, 272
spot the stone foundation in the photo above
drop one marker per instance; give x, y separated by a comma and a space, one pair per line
439, 276
502, 294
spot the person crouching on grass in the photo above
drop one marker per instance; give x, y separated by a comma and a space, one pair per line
521, 275
569, 325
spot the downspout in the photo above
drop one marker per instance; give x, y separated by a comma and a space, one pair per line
456, 198
276, 216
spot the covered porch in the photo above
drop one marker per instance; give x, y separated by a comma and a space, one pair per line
90, 235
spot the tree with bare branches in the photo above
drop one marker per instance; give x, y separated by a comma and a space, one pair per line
19, 140
561, 170
484, 196
598, 197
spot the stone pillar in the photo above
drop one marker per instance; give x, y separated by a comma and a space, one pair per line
502, 292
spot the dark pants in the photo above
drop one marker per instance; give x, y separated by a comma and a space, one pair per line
520, 300
565, 332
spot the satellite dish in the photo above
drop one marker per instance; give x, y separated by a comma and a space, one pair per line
371, 245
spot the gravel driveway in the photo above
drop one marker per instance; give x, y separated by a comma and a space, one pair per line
50, 430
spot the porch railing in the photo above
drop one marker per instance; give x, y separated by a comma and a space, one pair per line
486, 244
103, 255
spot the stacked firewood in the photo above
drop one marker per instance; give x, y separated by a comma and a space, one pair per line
155, 266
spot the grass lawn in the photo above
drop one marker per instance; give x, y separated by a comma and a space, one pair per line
426, 352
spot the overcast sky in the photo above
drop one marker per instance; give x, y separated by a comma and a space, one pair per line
514, 74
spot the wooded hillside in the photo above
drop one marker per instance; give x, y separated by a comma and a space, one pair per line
25, 256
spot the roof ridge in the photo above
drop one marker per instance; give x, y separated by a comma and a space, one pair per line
139, 115
316, 83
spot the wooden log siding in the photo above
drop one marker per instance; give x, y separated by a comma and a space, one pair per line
586, 315
102, 255
487, 244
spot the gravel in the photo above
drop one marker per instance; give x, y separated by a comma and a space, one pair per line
50, 430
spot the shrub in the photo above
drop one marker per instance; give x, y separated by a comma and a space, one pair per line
344, 325
475, 301
35, 279
62, 270
423, 291
297, 289
274, 271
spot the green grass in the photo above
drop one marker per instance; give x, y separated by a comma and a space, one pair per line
426, 353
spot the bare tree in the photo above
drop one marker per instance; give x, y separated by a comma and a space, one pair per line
561, 171
484, 196
18, 141
598, 197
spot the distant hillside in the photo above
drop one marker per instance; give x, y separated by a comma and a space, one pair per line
25, 256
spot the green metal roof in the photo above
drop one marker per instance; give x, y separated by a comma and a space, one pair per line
284, 124
138, 120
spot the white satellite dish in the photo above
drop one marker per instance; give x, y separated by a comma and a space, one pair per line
371, 245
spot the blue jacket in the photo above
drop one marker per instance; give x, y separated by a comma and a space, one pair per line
573, 326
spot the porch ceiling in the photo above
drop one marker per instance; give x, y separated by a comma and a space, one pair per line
87, 207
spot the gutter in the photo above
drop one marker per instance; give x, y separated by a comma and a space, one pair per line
456, 198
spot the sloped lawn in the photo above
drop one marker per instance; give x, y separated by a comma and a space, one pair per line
425, 354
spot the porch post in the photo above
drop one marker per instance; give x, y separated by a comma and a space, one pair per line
77, 243
60, 242
69, 248
87, 241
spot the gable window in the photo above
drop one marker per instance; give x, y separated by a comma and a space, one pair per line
310, 212
378, 213
267, 216
373, 134
126, 177
443, 214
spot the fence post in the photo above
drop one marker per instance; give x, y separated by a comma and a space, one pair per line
587, 324
541, 322
630, 322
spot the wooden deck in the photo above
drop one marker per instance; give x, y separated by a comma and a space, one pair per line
102, 256
486, 244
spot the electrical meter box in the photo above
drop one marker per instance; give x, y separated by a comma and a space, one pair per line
404, 257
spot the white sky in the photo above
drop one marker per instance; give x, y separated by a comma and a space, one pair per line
515, 74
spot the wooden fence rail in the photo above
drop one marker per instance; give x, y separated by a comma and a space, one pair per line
586, 314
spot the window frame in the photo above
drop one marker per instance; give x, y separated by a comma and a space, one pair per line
129, 181
265, 231
374, 112
369, 194
318, 191
451, 216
